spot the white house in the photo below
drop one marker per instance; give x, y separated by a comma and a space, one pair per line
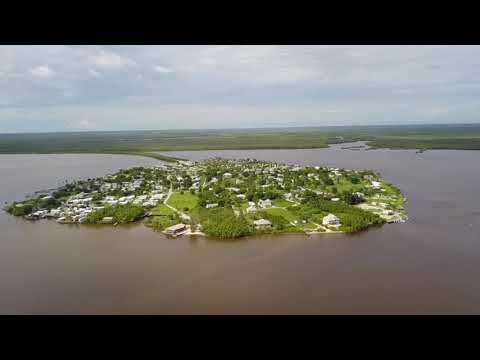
376, 185
251, 209
330, 219
157, 196
265, 203
208, 206
262, 224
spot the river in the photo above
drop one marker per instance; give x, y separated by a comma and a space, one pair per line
428, 265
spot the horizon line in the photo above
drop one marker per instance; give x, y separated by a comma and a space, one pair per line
242, 128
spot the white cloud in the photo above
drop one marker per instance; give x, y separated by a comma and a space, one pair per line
94, 73
162, 69
110, 60
355, 84
86, 124
42, 71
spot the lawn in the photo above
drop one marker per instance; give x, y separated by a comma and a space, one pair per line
282, 203
282, 212
244, 205
162, 210
180, 201
345, 185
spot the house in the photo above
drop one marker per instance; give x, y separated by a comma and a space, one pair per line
175, 229
251, 209
208, 206
227, 175
107, 219
265, 203
330, 219
376, 185
241, 196
262, 224
335, 199
55, 212
359, 195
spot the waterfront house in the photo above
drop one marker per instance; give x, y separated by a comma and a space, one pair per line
330, 219
262, 224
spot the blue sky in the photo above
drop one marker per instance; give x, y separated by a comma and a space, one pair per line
70, 88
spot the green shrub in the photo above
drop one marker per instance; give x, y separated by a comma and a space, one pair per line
223, 223
20, 211
120, 213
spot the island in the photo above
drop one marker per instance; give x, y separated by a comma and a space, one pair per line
224, 198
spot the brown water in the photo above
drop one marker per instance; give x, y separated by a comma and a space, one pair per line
428, 265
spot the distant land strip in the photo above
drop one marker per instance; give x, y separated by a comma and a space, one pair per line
149, 143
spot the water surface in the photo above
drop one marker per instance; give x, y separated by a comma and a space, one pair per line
428, 265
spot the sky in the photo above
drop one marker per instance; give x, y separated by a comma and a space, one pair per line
72, 88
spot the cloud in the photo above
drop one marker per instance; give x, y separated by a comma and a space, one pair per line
94, 73
110, 60
162, 69
87, 125
233, 86
42, 72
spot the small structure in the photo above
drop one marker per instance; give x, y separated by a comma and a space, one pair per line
330, 219
208, 206
227, 175
376, 185
107, 220
262, 224
251, 209
175, 229
265, 203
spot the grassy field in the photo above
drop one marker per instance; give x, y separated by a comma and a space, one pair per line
161, 210
147, 143
287, 215
282, 203
180, 201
